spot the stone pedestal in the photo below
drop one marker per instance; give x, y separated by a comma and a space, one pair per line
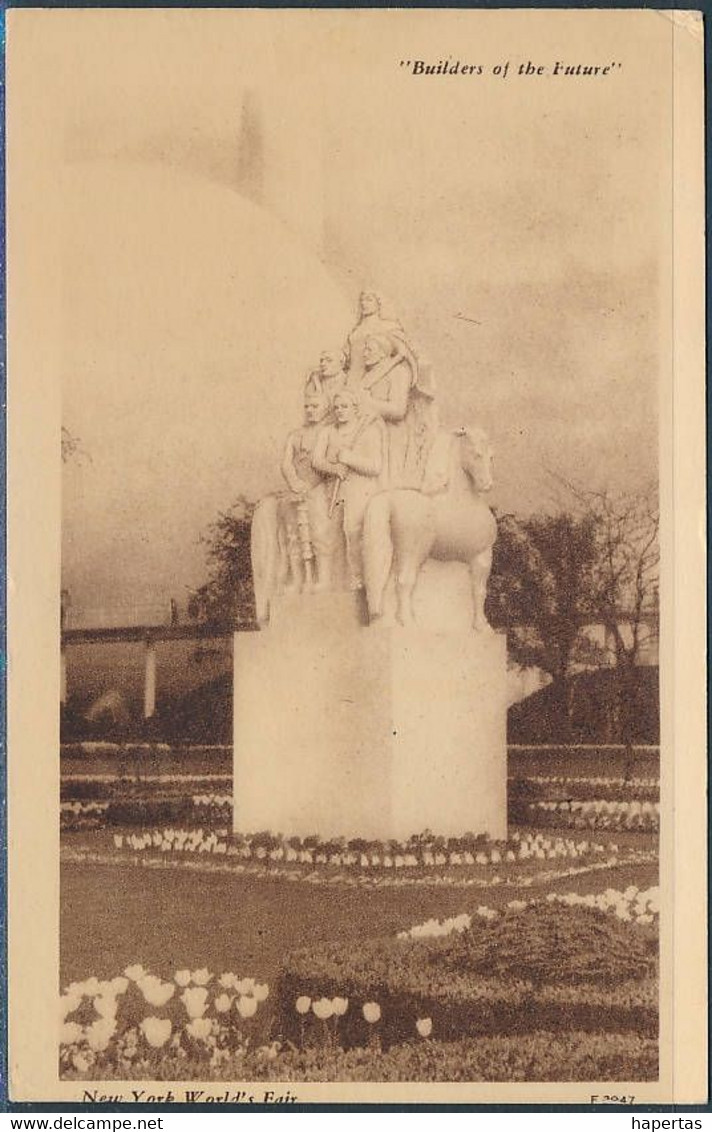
343, 730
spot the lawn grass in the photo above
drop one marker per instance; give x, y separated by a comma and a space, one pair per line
116, 915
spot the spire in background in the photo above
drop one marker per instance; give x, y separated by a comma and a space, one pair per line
279, 159
250, 151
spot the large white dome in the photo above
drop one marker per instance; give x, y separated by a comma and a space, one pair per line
190, 316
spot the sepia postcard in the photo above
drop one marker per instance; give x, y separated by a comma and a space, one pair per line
356, 472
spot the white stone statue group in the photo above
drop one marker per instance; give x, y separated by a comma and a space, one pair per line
374, 487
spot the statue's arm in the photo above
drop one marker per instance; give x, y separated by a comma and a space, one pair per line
287, 467
367, 459
396, 407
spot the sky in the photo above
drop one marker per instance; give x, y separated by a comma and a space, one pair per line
228, 182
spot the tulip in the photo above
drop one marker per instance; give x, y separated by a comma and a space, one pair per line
199, 1029
156, 1031
135, 972
100, 1033
106, 1006
194, 999
371, 1012
303, 1004
223, 1003
182, 977
340, 1006
227, 980
323, 1008
70, 1033
424, 1026
155, 992
261, 991
119, 985
247, 1007
202, 977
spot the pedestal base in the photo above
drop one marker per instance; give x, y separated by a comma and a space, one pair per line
343, 730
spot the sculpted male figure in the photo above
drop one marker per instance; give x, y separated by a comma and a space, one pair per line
352, 452
312, 534
331, 372
391, 388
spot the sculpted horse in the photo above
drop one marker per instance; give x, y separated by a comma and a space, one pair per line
447, 520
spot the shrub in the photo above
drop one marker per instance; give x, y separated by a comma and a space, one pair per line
543, 945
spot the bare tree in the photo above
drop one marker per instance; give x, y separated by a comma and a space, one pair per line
625, 588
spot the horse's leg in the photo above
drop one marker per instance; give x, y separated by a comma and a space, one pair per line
377, 552
405, 584
413, 535
480, 567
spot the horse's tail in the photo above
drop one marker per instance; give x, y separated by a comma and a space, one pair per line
264, 550
377, 550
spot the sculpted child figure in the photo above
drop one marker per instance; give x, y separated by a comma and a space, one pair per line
352, 453
312, 534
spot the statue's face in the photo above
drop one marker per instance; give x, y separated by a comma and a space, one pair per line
344, 409
369, 303
314, 408
330, 365
372, 352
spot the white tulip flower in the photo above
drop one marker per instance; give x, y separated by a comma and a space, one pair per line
194, 999
323, 1008
199, 1029
156, 1031
247, 1007
371, 1012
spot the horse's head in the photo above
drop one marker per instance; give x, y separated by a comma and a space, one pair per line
476, 456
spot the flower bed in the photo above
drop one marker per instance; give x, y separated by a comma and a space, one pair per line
81, 815
501, 974
597, 814
638, 906
528, 859
540, 1056
423, 851
207, 809
555, 989
129, 1024
548, 801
